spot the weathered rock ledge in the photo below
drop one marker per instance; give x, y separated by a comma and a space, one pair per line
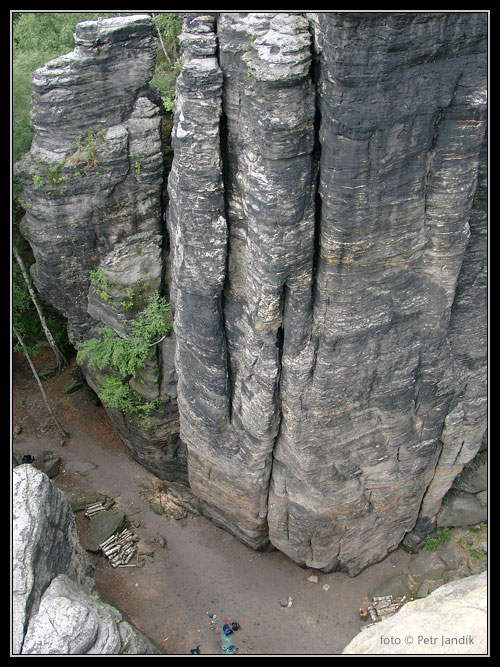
324, 253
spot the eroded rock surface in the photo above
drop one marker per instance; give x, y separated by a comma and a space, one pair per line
45, 544
349, 190
326, 229
71, 622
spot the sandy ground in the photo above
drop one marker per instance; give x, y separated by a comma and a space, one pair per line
202, 570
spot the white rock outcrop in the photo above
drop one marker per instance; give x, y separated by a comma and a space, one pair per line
451, 620
44, 544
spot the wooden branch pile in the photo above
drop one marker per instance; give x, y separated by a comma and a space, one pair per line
95, 508
386, 606
119, 549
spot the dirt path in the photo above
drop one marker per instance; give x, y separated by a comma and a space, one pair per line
202, 570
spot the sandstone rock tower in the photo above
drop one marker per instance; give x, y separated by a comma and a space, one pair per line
323, 248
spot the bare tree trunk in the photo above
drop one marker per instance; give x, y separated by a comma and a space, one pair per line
45, 399
161, 42
60, 358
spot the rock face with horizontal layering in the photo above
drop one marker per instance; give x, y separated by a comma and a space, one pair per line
337, 408
366, 398
326, 228
93, 196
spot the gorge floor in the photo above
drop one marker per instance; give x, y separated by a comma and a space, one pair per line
202, 570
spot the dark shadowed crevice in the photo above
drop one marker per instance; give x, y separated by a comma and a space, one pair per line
316, 165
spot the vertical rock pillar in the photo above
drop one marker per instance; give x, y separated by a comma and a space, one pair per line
229, 361
198, 243
383, 419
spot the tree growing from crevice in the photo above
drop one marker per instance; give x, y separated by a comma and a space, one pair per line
121, 358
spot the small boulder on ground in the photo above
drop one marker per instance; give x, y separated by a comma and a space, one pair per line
52, 467
462, 510
102, 526
397, 586
427, 566
79, 499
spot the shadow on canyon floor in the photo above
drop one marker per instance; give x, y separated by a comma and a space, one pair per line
202, 570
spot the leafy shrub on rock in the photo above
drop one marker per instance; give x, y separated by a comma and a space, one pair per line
124, 356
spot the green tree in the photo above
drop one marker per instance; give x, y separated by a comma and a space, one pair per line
168, 27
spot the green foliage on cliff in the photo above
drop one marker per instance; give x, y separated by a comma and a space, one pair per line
25, 319
123, 357
38, 37
126, 355
167, 65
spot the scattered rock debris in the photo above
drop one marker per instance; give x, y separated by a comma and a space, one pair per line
163, 500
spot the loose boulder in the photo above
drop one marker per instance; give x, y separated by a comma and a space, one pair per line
102, 526
71, 622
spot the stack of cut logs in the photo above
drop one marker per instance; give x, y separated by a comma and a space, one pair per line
119, 549
95, 508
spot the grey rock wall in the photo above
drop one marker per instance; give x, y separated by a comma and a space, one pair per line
326, 227
383, 378
349, 191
